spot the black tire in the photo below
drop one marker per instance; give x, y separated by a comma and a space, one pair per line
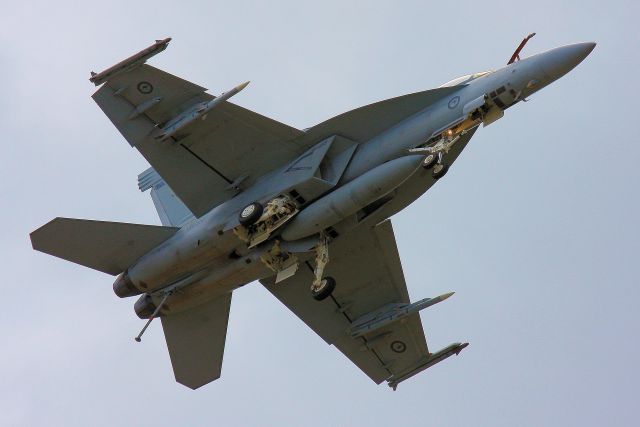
430, 161
329, 284
442, 172
250, 214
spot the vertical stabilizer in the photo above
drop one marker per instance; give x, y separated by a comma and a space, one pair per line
171, 210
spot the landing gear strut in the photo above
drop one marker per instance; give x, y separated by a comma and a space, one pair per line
322, 287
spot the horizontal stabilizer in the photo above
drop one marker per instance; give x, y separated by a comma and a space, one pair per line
196, 339
110, 247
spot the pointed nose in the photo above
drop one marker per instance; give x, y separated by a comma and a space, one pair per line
559, 61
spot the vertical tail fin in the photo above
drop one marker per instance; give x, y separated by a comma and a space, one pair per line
171, 210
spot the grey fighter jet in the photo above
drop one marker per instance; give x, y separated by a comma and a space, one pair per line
245, 198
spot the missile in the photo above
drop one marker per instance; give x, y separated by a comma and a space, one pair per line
351, 197
130, 63
395, 312
197, 111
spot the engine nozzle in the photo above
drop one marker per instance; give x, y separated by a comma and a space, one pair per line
144, 306
124, 287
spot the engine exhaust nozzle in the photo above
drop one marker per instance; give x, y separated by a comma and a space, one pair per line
124, 287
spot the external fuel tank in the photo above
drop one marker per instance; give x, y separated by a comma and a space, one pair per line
351, 197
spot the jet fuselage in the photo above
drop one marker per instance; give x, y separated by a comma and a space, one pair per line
207, 258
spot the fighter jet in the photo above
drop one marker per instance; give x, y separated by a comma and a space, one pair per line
244, 198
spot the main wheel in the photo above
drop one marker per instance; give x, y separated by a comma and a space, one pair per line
430, 161
327, 285
250, 214
439, 173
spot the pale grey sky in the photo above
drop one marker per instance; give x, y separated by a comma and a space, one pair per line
535, 227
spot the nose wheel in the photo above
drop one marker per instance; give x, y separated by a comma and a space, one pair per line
430, 161
433, 161
439, 171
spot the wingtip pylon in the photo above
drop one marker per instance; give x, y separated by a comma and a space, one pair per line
131, 62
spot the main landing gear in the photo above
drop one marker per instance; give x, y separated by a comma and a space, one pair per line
322, 287
250, 214
324, 290
258, 222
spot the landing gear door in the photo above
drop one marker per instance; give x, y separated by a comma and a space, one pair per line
471, 106
494, 114
497, 101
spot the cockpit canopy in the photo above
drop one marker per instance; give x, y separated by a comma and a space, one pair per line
464, 79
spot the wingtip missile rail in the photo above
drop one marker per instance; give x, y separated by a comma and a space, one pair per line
131, 62
445, 353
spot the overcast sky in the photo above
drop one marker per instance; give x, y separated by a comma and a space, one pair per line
535, 227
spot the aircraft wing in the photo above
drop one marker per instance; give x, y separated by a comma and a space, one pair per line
200, 162
205, 161
367, 269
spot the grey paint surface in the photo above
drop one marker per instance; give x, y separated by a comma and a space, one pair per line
539, 248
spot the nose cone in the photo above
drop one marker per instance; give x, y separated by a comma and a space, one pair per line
559, 61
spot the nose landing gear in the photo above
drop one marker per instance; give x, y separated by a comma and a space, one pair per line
439, 171
434, 161
430, 161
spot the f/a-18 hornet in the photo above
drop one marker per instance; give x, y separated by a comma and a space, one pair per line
245, 198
